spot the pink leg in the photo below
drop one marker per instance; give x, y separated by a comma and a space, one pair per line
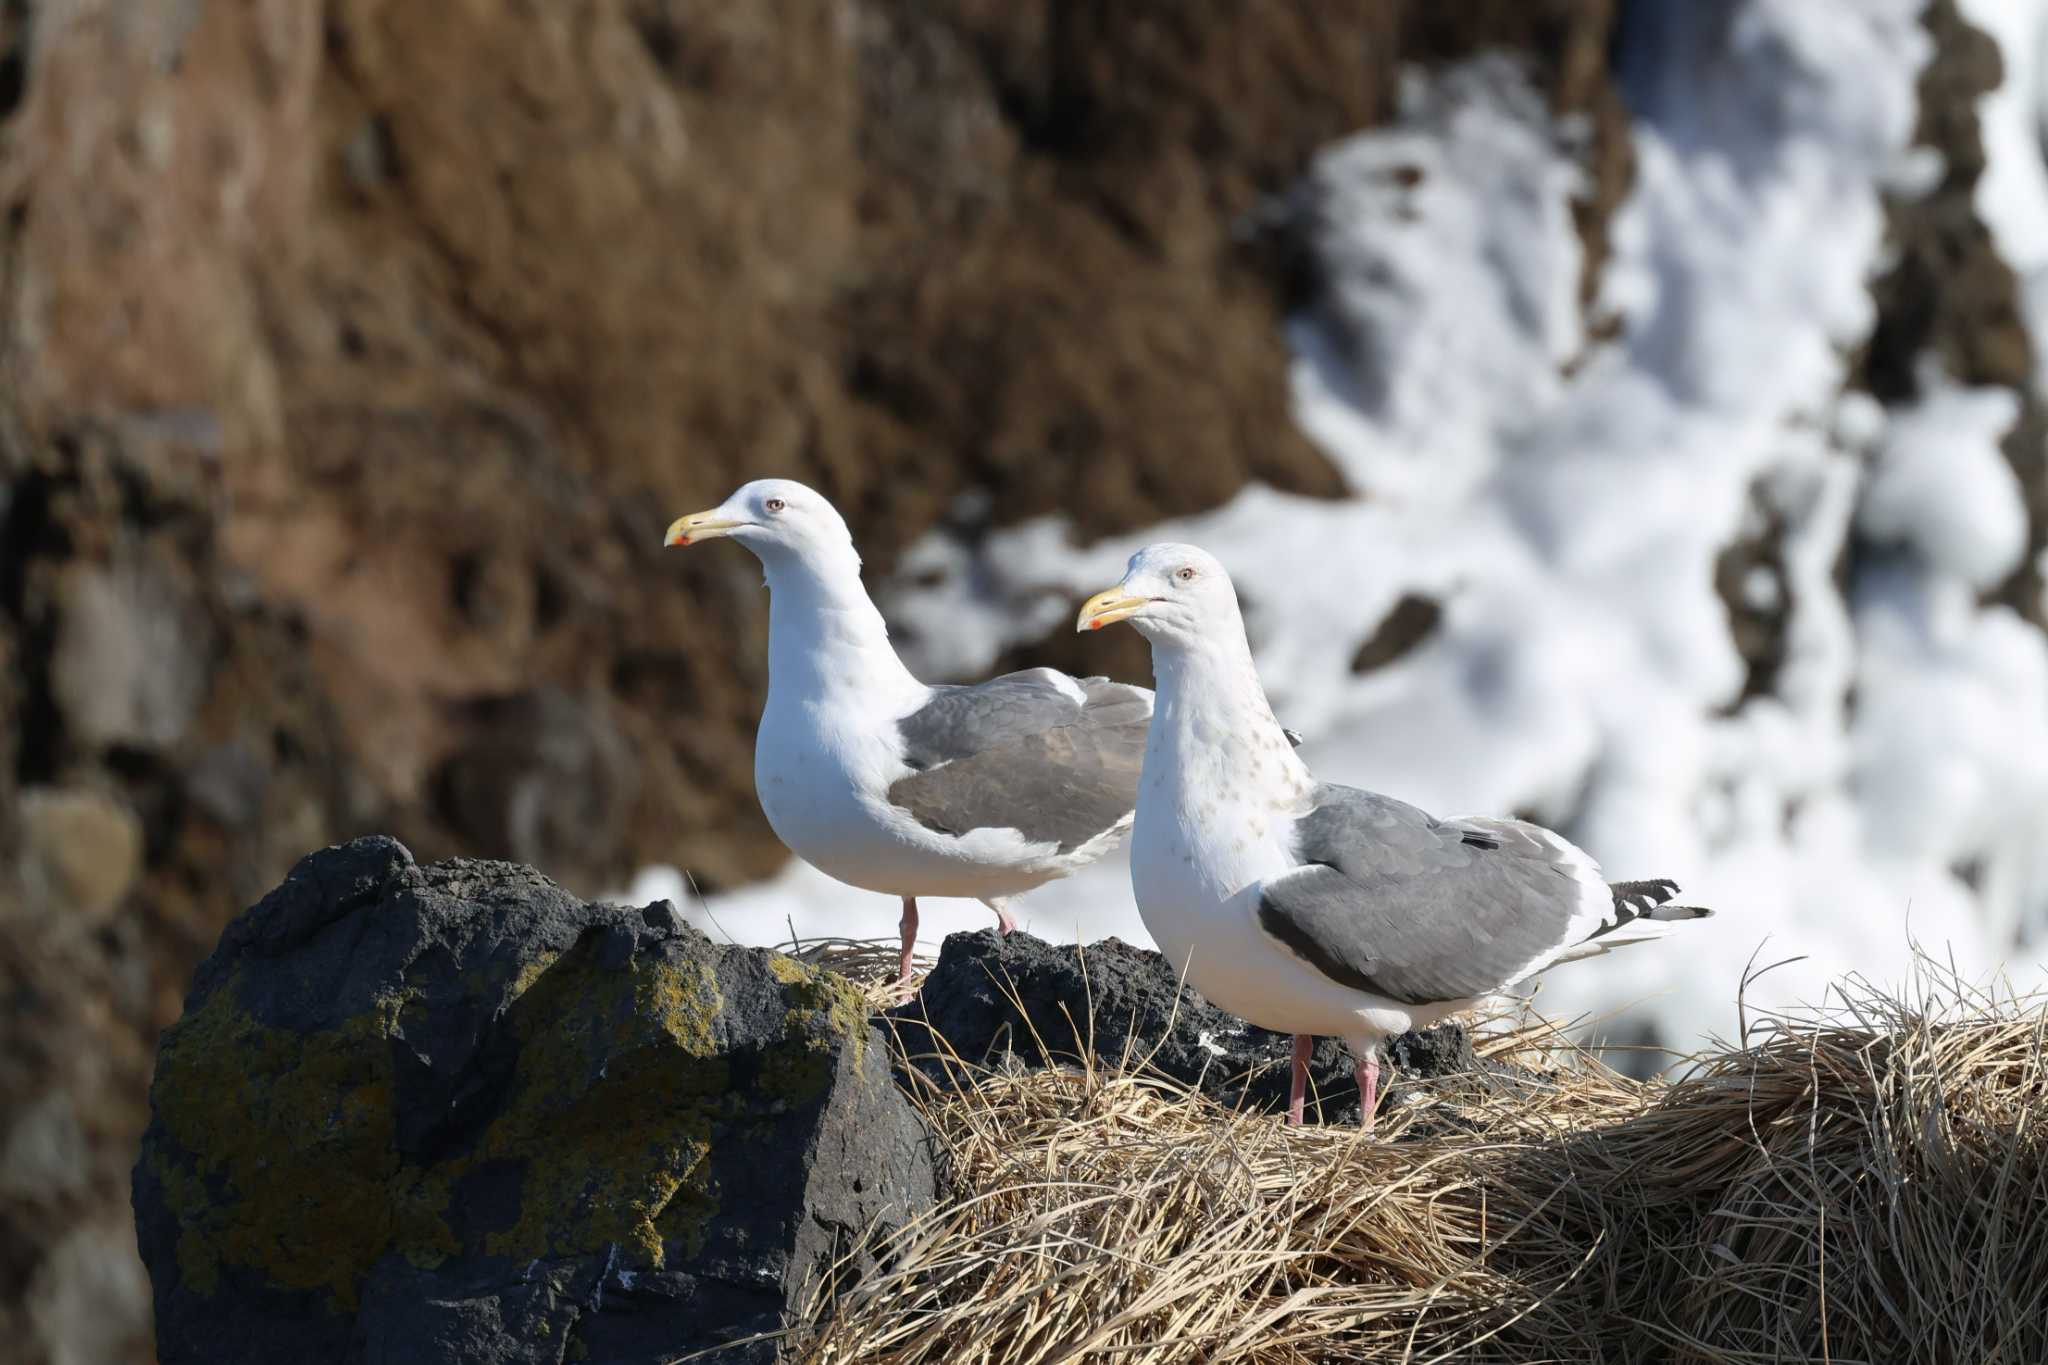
908, 924
1006, 923
1368, 1073
1297, 1086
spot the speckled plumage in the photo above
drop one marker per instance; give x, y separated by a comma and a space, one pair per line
1315, 908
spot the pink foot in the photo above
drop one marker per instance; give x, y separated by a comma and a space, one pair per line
1297, 1086
908, 926
1368, 1072
1006, 923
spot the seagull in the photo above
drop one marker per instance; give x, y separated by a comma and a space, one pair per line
885, 783
1311, 908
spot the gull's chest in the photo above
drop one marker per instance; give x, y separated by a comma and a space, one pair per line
1205, 848
1195, 870
819, 773
1211, 822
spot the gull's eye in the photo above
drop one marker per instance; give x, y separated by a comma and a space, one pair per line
775, 504
1185, 573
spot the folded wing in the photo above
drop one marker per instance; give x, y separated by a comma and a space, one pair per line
1391, 900
1053, 757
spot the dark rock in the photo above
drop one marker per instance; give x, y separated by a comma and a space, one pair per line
998, 1000
546, 778
1754, 585
452, 1113
1950, 295
1407, 624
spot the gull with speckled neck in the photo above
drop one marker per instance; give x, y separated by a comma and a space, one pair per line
1311, 908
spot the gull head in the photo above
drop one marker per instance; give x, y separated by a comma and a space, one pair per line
771, 517
1172, 594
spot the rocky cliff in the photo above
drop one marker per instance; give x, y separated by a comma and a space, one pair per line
356, 354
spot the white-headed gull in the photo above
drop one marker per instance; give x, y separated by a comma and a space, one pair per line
883, 782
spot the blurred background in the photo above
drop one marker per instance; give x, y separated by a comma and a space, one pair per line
1624, 413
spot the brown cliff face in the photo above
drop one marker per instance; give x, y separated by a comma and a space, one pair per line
356, 355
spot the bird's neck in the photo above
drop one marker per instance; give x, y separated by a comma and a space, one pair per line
826, 640
1213, 731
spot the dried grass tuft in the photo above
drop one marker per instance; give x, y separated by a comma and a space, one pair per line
1866, 1183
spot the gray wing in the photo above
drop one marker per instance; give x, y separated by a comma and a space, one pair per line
1394, 901
1024, 752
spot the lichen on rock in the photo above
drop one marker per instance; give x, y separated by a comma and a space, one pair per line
605, 1154
279, 1155
418, 1104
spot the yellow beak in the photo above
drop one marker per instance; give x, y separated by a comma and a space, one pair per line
1108, 607
706, 525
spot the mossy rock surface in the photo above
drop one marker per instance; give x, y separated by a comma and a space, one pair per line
453, 1113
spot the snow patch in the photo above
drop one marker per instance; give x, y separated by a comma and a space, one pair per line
1941, 486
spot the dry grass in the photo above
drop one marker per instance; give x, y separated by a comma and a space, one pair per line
1868, 1184
867, 962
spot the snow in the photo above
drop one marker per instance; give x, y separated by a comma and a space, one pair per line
1567, 502
1456, 313
2012, 194
1940, 486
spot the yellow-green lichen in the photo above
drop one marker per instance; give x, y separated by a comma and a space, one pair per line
282, 1156
613, 1106
532, 971
293, 1130
681, 1222
823, 1006
419, 1206
683, 998
822, 1009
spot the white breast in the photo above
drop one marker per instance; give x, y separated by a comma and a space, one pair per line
810, 770
1215, 816
823, 774
829, 749
1213, 938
